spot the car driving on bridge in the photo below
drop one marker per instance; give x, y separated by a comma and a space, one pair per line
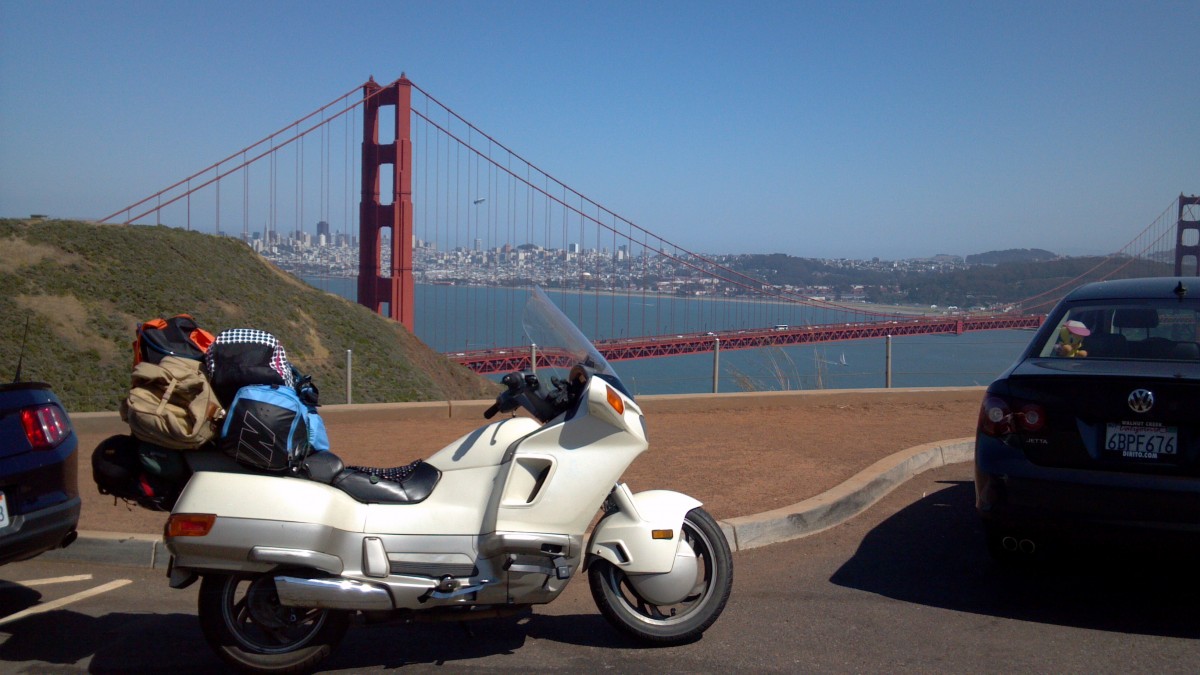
1095, 430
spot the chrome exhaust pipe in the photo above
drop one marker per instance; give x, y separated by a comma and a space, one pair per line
1009, 544
332, 593
1028, 546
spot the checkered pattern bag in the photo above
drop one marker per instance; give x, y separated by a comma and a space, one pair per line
244, 356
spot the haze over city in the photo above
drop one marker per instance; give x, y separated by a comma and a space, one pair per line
853, 130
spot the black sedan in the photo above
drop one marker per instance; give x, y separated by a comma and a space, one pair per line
1095, 430
39, 495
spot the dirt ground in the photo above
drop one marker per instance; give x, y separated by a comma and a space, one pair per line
738, 461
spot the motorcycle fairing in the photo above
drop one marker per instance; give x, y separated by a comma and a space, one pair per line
469, 463
625, 536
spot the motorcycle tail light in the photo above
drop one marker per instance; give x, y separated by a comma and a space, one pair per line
45, 426
190, 524
614, 400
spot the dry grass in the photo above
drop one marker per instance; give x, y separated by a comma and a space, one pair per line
16, 253
69, 319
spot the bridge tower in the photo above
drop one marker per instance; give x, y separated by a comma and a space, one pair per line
396, 215
1185, 251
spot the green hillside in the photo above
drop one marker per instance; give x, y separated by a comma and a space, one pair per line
83, 288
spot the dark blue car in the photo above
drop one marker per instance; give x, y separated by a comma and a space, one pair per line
1095, 431
39, 494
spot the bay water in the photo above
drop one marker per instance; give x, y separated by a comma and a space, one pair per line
453, 319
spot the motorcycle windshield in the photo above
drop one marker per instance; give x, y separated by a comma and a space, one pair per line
559, 341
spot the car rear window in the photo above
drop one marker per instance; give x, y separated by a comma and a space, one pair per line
1156, 330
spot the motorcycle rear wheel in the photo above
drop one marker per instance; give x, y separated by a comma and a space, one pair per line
686, 620
246, 626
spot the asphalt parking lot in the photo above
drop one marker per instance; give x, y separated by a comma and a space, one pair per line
907, 586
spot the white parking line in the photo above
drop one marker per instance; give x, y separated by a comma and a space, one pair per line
55, 580
55, 604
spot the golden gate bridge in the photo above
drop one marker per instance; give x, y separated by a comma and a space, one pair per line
430, 198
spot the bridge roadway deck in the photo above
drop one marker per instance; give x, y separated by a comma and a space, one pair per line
505, 360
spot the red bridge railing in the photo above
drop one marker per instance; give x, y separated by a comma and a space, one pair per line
489, 361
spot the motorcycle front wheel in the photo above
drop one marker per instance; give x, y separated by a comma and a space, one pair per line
681, 622
246, 626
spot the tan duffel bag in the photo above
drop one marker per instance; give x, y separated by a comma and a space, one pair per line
172, 405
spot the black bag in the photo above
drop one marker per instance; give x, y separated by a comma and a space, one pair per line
179, 336
270, 428
150, 476
245, 356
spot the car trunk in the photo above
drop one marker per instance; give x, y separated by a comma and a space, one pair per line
1091, 421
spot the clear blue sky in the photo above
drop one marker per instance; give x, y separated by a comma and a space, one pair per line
817, 129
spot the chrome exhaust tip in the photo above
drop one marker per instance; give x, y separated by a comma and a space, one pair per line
1028, 546
1009, 543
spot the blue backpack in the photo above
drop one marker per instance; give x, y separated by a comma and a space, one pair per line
268, 427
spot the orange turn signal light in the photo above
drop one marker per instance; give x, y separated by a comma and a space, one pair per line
662, 534
190, 524
614, 400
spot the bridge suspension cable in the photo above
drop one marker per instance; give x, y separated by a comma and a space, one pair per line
1145, 246
487, 218
215, 168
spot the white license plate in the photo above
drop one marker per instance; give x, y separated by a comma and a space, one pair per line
3, 511
1141, 441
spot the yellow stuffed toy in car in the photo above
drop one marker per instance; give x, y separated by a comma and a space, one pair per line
1070, 340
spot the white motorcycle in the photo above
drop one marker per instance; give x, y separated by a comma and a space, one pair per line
490, 525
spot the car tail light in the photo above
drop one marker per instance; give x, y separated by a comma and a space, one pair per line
996, 417
45, 426
1032, 417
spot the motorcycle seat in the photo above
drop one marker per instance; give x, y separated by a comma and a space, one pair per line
409, 484
370, 487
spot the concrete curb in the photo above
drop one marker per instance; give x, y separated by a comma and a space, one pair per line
115, 548
845, 501
810, 516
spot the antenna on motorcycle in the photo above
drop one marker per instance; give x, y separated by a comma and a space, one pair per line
21, 357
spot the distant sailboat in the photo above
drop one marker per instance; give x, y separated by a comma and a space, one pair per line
841, 362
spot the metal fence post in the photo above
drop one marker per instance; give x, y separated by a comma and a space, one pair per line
349, 375
716, 362
887, 365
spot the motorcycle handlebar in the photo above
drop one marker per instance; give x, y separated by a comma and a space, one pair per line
523, 390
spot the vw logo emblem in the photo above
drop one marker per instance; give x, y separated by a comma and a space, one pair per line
1141, 400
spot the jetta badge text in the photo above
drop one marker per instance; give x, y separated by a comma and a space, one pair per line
1141, 400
